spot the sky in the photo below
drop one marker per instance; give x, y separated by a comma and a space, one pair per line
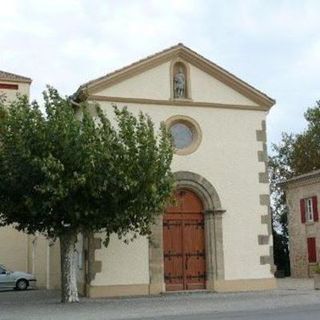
272, 44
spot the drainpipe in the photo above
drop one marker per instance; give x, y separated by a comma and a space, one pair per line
34, 241
48, 266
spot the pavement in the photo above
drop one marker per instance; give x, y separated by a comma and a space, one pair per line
294, 299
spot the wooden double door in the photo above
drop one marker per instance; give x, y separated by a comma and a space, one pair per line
184, 243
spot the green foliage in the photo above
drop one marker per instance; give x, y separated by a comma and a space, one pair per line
64, 172
294, 155
280, 170
306, 152
281, 253
317, 269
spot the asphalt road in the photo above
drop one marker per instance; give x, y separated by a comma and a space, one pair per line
284, 304
300, 313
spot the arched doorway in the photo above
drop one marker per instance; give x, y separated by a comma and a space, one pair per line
184, 243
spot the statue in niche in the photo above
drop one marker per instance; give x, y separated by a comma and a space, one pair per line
179, 84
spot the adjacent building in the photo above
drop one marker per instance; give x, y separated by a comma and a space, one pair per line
219, 236
303, 194
12, 84
19, 251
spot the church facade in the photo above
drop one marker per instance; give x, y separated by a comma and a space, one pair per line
218, 236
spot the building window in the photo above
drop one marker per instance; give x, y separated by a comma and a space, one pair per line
182, 135
309, 209
186, 134
312, 252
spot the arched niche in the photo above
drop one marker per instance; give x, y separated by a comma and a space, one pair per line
180, 80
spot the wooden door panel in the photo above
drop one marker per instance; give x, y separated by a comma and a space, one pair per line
184, 243
195, 271
195, 254
173, 255
190, 202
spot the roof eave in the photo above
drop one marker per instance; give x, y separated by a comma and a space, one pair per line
184, 52
28, 80
310, 176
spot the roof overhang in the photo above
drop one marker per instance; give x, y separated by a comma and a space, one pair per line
13, 78
185, 53
307, 178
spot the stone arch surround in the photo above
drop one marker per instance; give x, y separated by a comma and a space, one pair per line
213, 233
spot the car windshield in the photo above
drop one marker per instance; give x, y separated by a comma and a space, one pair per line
3, 268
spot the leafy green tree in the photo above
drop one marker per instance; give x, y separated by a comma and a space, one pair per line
280, 170
63, 174
294, 155
306, 151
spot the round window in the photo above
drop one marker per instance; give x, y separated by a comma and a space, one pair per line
186, 134
182, 135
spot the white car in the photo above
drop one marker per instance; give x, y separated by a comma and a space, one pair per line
16, 279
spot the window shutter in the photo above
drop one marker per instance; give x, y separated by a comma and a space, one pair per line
312, 254
303, 211
315, 208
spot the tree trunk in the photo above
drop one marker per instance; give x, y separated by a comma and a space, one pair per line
69, 290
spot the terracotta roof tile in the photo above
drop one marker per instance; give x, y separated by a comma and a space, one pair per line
7, 76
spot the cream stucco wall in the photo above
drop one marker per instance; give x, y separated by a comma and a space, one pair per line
11, 95
123, 264
27, 253
13, 249
205, 88
227, 157
152, 84
44, 261
155, 84
39, 261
